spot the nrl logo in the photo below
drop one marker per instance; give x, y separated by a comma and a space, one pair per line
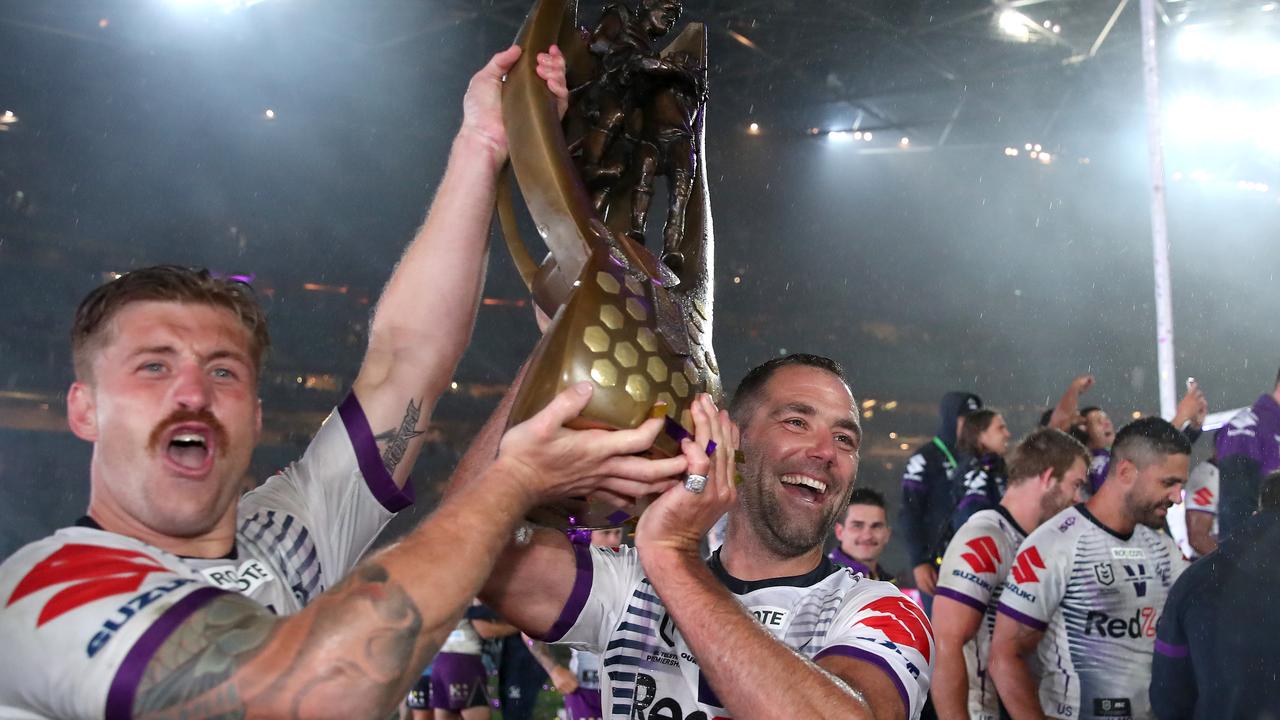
1104, 573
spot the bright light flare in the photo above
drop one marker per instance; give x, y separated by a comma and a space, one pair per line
840, 136
1247, 53
269, 114
1193, 119
754, 128
1014, 24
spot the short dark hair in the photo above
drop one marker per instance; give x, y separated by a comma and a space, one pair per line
1143, 437
866, 496
165, 283
1269, 493
748, 392
975, 423
1084, 411
1045, 449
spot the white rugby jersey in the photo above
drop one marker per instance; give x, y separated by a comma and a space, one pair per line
649, 672
973, 573
1202, 491
1097, 596
83, 611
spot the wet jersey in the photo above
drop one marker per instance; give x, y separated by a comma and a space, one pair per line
650, 673
973, 573
84, 610
1097, 597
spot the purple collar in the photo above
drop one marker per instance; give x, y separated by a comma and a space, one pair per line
839, 557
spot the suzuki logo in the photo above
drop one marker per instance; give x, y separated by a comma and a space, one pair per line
901, 621
985, 555
1203, 497
1024, 568
92, 571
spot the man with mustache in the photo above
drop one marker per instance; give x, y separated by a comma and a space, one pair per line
767, 627
175, 597
1077, 618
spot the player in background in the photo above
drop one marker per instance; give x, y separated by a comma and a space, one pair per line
1202, 508
1076, 626
863, 534
1048, 471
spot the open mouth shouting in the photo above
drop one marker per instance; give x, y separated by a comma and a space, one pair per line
188, 442
189, 449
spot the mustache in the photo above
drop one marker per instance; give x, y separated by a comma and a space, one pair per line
182, 416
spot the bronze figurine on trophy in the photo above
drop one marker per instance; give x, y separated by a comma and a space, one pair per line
630, 307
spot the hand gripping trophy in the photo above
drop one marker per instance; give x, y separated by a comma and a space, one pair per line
634, 321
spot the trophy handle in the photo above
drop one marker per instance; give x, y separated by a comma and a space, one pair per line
556, 199
525, 264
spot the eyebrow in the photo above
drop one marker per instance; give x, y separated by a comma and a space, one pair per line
170, 350
809, 411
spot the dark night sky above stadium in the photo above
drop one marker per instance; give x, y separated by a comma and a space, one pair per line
140, 134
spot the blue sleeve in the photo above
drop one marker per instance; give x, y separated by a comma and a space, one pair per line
1173, 686
915, 507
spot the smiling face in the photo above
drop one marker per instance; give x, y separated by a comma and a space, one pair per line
1155, 488
801, 445
864, 533
173, 415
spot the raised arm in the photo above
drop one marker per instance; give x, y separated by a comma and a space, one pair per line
423, 320
1013, 643
739, 658
356, 650
1068, 407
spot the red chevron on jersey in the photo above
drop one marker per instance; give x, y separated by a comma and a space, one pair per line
1203, 497
902, 621
1024, 567
95, 572
985, 555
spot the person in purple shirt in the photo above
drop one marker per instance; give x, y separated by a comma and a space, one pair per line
863, 534
1248, 449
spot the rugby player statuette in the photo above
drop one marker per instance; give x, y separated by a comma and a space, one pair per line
635, 321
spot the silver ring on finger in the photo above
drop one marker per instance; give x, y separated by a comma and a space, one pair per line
695, 483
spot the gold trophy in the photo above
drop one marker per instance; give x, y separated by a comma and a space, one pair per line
636, 323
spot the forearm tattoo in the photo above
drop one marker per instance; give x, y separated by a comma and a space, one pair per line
352, 653
397, 441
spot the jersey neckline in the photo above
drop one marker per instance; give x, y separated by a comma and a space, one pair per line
1089, 516
1004, 512
741, 587
87, 522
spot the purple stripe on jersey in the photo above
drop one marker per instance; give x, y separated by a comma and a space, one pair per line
125, 684
375, 474
577, 596
870, 657
962, 598
1027, 620
1171, 650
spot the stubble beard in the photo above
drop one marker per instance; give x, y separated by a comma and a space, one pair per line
1146, 513
781, 535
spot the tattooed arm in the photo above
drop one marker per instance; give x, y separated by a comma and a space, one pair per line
423, 320
356, 650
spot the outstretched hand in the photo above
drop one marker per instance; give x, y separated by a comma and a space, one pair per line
679, 519
482, 105
558, 462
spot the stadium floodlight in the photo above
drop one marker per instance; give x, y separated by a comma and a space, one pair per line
840, 136
1014, 24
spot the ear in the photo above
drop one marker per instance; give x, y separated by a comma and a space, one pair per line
1126, 471
1046, 479
888, 534
82, 411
